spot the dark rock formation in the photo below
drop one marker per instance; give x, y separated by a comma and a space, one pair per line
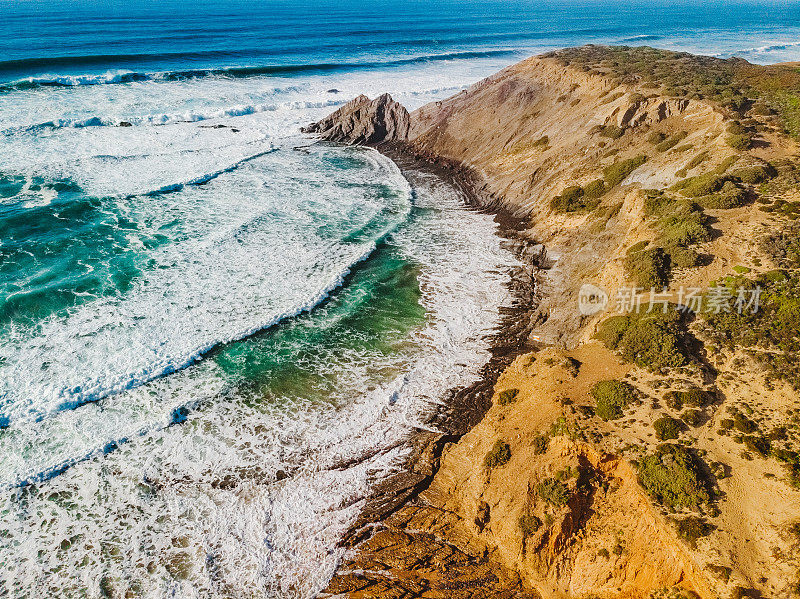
364, 122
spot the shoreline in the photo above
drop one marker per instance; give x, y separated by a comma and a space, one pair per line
466, 406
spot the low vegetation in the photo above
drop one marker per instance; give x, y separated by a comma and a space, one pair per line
499, 455
696, 398
612, 398
672, 476
692, 528
770, 331
507, 396
727, 82
649, 268
553, 491
652, 340
667, 428
616, 173
574, 199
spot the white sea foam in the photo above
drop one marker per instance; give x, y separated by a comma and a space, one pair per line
203, 497
195, 509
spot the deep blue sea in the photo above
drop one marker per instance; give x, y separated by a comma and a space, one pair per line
214, 334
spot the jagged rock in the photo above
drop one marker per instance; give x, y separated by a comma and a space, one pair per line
364, 121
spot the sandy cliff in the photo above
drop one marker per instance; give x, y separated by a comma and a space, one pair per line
542, 497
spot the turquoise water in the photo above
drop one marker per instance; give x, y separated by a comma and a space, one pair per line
215, 335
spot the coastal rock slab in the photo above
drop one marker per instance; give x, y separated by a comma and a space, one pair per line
364, 122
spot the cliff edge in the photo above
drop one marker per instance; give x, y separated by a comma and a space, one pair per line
635, 453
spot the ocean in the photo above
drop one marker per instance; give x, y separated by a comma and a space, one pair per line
215, 334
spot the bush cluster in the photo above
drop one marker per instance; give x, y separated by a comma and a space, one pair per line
507, 396
667, 428
649, 268
612, 398
672, 476
612, 131
696, 398
499, 455
754, 174
529, 524
773, 326
680, 224
574, 199
616, 173
692, 528
653, 341
553, 491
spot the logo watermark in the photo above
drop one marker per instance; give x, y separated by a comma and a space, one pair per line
709, 300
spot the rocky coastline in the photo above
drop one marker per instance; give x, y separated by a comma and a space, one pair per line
554, 475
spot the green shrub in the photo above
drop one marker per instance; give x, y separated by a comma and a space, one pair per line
612, 131
743, 424
670, 143
656, 138
730, 196
683, 257
507, 396
553, 491
540, 443
529, 525
692, 528
616, 173
757, 444
736, 128
667, 428
649, 268
653, 341
701, 185
692, 417
696, 398
671, 475
594, 189
498, 455
740, 142
684, 227
726, 164
754, 174
612, 398
573, 199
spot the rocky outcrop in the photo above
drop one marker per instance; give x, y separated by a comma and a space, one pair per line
364, 122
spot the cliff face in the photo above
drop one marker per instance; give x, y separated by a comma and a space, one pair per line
364, 121
586, 161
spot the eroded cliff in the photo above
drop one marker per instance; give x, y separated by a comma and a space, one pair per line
627, 183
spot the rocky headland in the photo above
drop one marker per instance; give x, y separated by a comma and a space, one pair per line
609, 452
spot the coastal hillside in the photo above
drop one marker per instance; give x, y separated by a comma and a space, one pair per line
645, 443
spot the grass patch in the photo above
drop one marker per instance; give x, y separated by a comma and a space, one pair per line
612, 398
